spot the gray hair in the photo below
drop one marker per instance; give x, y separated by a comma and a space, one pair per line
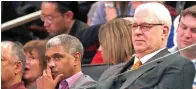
70, 43
17, 52
159, 11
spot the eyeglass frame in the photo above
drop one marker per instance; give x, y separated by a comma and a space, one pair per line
48, 18
144, 28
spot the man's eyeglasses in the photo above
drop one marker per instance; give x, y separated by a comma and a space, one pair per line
143, 27
48, 19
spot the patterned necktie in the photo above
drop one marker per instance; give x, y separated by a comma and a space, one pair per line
136, 65
64, 85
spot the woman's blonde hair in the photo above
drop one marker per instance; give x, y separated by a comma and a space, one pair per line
115, 40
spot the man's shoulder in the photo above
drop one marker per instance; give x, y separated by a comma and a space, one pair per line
83, 81
179, 59
81, 25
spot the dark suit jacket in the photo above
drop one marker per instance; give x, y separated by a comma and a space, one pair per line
171, 72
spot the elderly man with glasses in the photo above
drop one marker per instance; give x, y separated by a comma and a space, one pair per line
152, 67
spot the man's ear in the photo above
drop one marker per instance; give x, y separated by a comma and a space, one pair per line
165, 33
18, 67
77, 57
68, 16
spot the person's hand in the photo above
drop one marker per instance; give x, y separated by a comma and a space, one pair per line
111, 13
46, 81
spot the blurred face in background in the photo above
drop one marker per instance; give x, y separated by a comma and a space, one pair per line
54, 21
186, 32
33, 68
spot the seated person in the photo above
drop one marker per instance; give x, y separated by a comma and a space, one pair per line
151, 67
115, 41
58, 18
35, 62
12, 65
63, 54
186, 35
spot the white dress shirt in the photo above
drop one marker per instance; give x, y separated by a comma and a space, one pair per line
147, 57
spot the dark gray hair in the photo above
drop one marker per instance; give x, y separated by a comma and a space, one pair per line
17, 52
70, 43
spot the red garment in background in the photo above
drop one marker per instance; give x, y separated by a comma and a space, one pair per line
97, 59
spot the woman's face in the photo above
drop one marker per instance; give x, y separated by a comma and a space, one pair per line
33, 69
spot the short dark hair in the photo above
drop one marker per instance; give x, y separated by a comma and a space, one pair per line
64, 6
189, 11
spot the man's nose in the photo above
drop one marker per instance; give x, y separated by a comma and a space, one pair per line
46, 24
51, 64
187, 33
138, 31
27, 60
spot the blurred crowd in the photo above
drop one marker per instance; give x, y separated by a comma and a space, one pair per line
100, 45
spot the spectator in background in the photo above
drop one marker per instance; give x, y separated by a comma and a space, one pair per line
63, 54
58, 17
115, 41
186, 35
152, 67
12, 64
35, 62
92, 12
109, 10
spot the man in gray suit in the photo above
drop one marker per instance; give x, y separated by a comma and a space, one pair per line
152, 67
63, 55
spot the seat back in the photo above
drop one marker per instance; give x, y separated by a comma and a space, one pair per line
94, 70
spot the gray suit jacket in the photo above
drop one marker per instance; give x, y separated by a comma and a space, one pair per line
83, 80
171, 72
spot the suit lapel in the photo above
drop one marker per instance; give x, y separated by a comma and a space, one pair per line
151, 63
127, 65
106, 84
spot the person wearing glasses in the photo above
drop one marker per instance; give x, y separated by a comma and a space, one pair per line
63, 55
13, 63
152, 67
58, 17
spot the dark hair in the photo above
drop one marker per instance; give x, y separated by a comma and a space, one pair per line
64, 6
189, 11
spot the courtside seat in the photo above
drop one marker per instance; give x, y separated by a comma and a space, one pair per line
94, 70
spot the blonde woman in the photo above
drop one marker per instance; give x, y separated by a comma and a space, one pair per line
115, 42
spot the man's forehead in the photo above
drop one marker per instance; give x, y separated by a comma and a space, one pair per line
145, 16
5, 51
55, 49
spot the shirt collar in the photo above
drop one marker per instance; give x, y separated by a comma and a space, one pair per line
71, 80
147, 57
